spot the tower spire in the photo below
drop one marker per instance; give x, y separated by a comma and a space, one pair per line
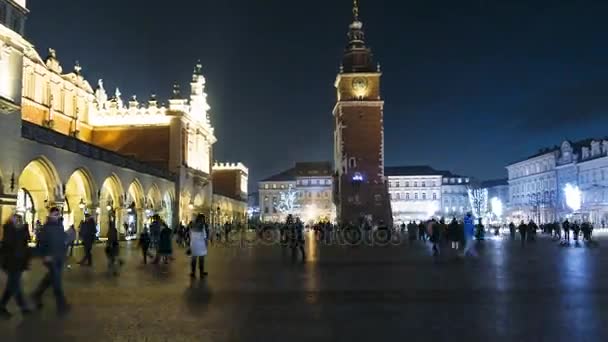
356, 10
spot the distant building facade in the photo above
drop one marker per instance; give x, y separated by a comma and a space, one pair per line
304, 191
536, 184
420, 192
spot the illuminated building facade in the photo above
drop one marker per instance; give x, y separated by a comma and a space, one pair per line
421, 192
69, 145
230, 181
304, 191
360, 189
536, 184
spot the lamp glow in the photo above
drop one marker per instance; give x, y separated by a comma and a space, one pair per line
574, 197
497, 207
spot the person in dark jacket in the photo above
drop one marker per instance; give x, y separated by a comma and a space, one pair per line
113, 250
144, 244
15, 257
512, 230
566, 227
165, 248
523, 230
453, 234
53, 251
88, 231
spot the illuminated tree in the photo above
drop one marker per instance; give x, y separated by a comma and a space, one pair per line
287, 201
478, 198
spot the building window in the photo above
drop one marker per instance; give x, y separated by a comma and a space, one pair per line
424, 196
398, 196
266, 210
423, 184
352, 163
309, 194
407, 184
274, 186
434, 196
397, 184
390, 184
415, 184
282, 186
407, 196
416, 196
265, 186
328, 182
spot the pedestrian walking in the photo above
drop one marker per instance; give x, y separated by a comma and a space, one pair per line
113, 250
566, 227
155, 229
453, 235
88, 232
297, 238
469, 232
144, 244
512, 230
434, 232
52, 250
165, 248
198, 246
70, 239
523, 231
15, 257
421, 231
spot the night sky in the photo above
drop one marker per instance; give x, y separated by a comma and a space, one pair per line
469, 85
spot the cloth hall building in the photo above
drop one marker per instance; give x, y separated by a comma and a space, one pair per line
66, 143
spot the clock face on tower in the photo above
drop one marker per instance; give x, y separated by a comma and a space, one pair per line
359, 84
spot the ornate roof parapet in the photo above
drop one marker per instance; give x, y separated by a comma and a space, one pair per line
113, 112
177, 103
217, 166
52, 63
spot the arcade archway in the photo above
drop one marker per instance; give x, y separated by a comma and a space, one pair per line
134, 215
79, 191
39, 187
110, 204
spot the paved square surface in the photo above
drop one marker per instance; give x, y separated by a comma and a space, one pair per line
543, 292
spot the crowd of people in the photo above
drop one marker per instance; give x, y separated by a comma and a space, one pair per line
54, 246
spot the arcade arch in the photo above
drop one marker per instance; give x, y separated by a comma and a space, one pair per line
39, 190
110, 203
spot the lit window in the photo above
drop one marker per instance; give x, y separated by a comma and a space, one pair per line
274, 186
265, 186
282, 186
459, 180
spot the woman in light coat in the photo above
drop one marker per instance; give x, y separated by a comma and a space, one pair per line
198, 245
